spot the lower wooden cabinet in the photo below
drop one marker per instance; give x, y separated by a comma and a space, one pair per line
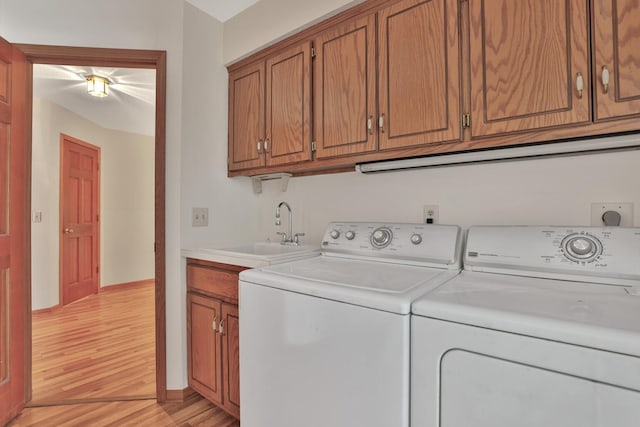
213, 348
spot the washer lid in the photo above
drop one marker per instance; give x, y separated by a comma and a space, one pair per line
593, 315
379, 285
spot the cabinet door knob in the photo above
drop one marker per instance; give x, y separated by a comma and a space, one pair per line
259, 146
266, 145
213, 325
381, 123
370, 125
579, 84
605, 79
221, 328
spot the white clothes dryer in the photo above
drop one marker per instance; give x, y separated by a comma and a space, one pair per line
324, 341
541, 329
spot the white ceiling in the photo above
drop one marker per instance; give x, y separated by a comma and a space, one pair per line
222, 10
130, 106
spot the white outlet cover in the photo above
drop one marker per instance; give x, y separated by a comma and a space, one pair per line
625, 209
200, 217
431, 211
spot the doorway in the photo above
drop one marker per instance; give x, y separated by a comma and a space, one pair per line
123, 58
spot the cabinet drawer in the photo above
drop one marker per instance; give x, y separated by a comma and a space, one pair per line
213, 281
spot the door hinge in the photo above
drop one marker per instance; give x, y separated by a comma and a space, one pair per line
98, 217
97, 269
466, 121
313, 52
313, 146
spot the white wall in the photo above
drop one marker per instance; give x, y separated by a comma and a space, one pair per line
126, 199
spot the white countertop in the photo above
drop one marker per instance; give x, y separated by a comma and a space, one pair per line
252, 255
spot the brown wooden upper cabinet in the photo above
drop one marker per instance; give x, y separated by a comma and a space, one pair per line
529, 65
417, 85
270, 111
419, 74
616, 41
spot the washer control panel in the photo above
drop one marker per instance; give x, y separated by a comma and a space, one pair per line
610, 252
401, 242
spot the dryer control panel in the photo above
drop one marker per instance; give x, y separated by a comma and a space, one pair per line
436, 245
610, 254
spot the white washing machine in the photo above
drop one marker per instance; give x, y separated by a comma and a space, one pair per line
324, 341
541, 329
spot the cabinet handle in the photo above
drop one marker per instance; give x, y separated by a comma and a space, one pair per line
221, 328
259, 146
266, 145
579, 84
370, 125
605, 79
213, 325
381, 123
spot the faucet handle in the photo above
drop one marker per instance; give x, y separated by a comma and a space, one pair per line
283, 234
295, 237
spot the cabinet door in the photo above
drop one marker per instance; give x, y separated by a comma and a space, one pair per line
526, 57
246, 117
231, 358
345, 90
288, 135
616, 38
204, 346
419, 73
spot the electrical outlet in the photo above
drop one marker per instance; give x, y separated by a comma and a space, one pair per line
37, 216
625, 209
430, 214
200, 217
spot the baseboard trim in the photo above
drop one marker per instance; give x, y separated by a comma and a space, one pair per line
120, 286
46, 310
179, 395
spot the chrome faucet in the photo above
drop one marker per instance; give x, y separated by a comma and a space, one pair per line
287, 238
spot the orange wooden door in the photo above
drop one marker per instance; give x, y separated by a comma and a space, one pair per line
419, 66
288, 109
13, 233
79, 207
231, 358
616, 38
203, 340
345, 90
246, 117
527, 58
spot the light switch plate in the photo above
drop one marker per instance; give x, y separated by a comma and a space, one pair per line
625, 209
200, 217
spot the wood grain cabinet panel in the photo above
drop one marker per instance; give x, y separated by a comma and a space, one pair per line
616, 41
288, 113
419, 73
204, 344
246, 117
526, 57
231, 358
345, 89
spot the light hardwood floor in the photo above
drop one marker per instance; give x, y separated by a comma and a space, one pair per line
93, 365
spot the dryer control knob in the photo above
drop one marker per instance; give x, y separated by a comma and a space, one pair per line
334, 234
350, 235
580, 246
416, 239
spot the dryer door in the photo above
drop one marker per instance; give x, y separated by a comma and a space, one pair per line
468, 376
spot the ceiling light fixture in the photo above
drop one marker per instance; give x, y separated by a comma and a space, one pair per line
97, 86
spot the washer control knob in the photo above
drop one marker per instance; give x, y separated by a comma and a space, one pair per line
581, 246
381, 237
350, 235
334, 234
416, 239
